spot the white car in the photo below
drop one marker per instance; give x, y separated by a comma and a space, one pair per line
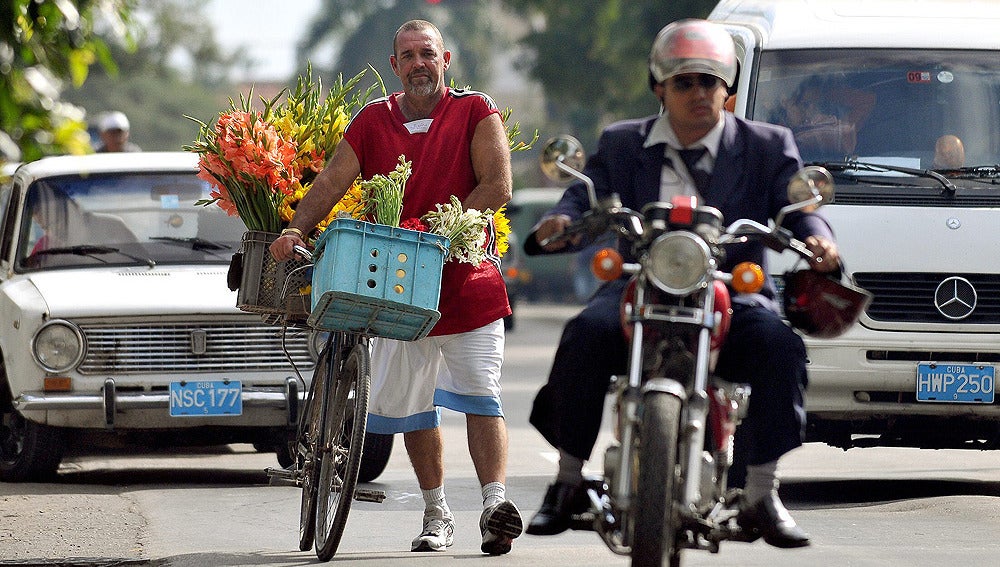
899, 100
118, 324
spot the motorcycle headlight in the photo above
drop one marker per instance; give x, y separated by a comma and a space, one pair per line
58, 346
679, 262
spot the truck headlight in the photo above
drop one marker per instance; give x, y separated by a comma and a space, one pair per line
58, 346
679, 262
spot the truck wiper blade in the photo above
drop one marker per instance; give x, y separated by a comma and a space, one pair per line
195, 242
976, 171
93, 250
948, 187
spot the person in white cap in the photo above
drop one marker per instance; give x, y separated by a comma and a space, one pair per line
114, 131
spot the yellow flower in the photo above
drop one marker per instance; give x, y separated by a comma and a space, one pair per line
502, 225
294, 136
352, 203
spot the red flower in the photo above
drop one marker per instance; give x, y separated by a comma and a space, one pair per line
414, 224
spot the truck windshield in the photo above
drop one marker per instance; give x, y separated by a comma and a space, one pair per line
921, 109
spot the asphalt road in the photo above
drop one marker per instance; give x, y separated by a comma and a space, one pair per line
864, 507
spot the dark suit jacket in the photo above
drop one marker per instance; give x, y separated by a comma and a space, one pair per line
750, 178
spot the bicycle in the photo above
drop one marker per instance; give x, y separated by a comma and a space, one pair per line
329, 440
330, 433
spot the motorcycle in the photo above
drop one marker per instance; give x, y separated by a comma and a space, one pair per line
664, 485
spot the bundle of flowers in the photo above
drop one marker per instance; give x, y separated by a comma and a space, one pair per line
383, 194
260, 163
380, 200
466, 229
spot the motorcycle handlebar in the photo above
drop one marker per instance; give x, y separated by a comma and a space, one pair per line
630, 224
777, 239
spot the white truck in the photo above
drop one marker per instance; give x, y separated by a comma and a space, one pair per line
900, 100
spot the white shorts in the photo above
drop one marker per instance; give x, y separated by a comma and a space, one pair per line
411, 380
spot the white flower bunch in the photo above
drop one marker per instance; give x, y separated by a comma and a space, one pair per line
465, 228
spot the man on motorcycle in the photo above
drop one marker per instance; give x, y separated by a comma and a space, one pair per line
740, 167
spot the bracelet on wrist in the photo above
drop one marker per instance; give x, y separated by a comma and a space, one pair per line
295, 231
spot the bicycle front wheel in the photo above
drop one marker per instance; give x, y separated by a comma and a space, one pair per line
307, 446
344, 437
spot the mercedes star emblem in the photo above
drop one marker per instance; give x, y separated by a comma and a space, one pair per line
955, 298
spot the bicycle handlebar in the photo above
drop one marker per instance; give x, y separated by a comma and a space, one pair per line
303, 251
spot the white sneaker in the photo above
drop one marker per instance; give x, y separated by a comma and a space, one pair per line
439, 531
500, 524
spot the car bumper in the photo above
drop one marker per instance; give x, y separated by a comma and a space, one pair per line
116, 409
868, 375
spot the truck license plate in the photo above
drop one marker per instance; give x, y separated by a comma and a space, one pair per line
962, 383
218, 397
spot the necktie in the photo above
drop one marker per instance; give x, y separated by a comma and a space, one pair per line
699, 176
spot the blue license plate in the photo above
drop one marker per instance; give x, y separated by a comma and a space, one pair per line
962, 383
218, 397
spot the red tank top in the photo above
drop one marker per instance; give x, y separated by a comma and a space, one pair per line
439, 149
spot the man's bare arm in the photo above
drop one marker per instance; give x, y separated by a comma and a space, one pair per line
491, 163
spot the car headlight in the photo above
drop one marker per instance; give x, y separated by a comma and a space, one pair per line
679, 262
58, 346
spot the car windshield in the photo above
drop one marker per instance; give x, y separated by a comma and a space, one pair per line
921, 109
123, 219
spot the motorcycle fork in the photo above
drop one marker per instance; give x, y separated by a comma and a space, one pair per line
696, 420
692, 434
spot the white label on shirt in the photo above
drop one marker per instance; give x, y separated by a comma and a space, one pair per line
419, 126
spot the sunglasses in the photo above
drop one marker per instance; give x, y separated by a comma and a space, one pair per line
684, 83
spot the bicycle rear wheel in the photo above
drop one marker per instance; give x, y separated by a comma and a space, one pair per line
343, 444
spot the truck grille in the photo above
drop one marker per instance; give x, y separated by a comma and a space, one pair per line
192, 347
909, 297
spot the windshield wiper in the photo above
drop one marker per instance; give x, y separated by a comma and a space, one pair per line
195, 242
92, 250
976, 172
949, 188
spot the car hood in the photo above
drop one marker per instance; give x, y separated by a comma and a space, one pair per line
131, 291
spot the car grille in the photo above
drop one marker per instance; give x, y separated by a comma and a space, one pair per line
909, 297
936, 199
192, 347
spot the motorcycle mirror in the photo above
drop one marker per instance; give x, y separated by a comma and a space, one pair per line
562, 150
811, 183
563, 159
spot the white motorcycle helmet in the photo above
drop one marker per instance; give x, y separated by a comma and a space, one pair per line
692, 46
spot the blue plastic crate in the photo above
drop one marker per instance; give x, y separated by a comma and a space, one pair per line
377, 280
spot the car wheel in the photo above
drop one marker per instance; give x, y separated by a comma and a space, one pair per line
29, 451
375, 457
286, 452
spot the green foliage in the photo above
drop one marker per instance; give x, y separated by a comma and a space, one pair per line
43, 45
363, 33
590, 55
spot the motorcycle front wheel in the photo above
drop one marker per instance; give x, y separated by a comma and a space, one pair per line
654, 541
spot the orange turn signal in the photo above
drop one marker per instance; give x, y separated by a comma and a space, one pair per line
607, 264
57, 384
748, 277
